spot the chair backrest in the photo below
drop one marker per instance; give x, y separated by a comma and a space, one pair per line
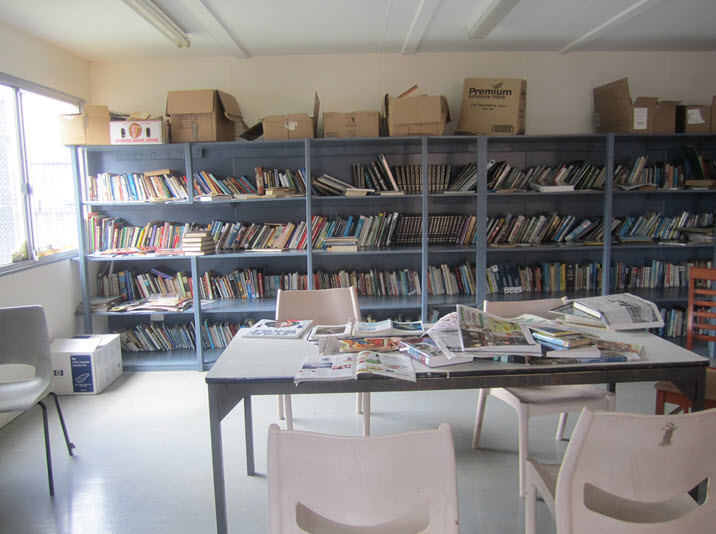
324, 306
616, 461
513, 308
396, 483
700, 318
24, 340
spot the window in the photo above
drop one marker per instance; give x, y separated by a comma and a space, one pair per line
37, 212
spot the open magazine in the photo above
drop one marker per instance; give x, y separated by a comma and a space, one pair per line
278, 329
622, 311
360, 329
484, 334
355, 365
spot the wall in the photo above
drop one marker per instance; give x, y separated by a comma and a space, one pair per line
559, 86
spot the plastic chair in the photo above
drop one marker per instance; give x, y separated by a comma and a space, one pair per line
629, 474
323, 306
24, 340
700, 325
399, 483
538, 400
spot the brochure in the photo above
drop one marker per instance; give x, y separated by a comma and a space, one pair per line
425, 350
353, 366
269, 328
387, 328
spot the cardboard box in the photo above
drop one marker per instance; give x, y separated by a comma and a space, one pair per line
355, 124
91, 127
85, 365
693, 119
203, 115
614, 111
493, 106
665, 116
292, 126
134, 131
416, 115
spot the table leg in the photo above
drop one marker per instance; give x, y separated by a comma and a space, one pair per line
217, 460
249, 435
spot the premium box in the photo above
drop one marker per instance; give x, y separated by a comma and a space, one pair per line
493, 106
203, 115
355, 124
293, 125
85, 365
416, 115
139, 131
91, 127
615, 112
693, 119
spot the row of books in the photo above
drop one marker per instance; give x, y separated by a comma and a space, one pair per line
374, 282
152, 186
654, 225
376, 175
674, 322
163, 337
108, 233
456, 280
294, 181
577, 175
691, 171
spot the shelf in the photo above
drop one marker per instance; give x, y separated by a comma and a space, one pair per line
176, 360
262, 305
370, 251
138, 257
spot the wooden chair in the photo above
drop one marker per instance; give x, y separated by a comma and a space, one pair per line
629, 474
540, 400
399, 483
323, 306
701, 325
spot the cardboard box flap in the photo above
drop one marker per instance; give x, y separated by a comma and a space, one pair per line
186, 102
316, 108
231, 106
419, 109
645, 101
612, 100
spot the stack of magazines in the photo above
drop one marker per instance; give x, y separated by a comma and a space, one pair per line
486, 335
622, 311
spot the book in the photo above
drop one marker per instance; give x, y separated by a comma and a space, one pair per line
425, 350
483, 333
270, 328
355, 366
387, 328
551, 188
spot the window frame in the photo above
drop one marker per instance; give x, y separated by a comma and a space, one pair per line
17, 85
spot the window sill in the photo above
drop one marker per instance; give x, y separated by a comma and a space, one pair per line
25, 265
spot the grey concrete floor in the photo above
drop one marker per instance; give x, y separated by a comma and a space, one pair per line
143, 461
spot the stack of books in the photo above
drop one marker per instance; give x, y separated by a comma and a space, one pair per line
198, 243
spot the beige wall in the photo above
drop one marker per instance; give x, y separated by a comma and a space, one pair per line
559, 86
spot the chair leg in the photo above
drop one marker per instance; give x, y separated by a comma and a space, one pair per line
366, 414
48, 453
69, 444
479, 416
359, 403
561, 425
523, 437
288, 410
531, 510
281, 414
660, 403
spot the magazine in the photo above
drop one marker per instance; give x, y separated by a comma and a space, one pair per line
336, 330
352, 366
481, 332
280, 329
378, 344
387, 328
623, 311
425, 350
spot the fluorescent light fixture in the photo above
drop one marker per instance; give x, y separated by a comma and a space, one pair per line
493, 13
157, 18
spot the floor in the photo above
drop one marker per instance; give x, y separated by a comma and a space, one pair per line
143, 464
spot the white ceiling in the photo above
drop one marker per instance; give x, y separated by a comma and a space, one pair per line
108, 29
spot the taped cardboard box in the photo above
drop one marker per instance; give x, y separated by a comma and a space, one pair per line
614, 111
493, 106
139, 129
416, 115
85, 365
665, 116
354, 124
293, 125
203, 115
91, 127
693, 119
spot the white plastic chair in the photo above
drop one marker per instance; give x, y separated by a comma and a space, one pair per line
538, 400
24, 341
629, 474
323, 306
399, 483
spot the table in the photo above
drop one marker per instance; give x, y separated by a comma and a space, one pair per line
250, 366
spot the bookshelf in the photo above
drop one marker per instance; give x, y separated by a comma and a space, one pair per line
449, 273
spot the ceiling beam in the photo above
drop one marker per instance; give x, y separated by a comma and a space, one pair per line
491, 15
423, 16
215, 29
611, 24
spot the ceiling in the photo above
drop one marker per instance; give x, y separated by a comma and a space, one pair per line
99, 30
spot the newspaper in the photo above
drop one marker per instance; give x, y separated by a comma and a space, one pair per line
482, 332
623, 311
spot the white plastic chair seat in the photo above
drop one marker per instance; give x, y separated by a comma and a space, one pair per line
573, 397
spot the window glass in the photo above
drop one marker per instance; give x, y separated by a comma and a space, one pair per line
13, 244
